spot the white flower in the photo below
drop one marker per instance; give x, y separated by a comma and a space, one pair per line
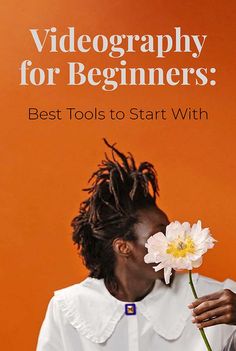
181, 247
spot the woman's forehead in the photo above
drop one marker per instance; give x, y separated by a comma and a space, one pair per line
150, 221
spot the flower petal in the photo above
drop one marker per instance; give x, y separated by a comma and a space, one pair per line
150, 257
187, 227
197, 263
158, 267
167, 274
173, 230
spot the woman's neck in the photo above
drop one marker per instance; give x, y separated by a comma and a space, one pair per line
130, 288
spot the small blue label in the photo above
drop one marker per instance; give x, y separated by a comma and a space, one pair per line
130, 309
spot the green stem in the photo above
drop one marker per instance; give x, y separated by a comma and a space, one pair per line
196, 297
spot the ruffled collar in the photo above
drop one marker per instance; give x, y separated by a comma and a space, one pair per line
164, 307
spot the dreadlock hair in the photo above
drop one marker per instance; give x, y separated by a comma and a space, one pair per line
118, 190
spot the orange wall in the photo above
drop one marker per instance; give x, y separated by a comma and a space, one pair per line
47, 163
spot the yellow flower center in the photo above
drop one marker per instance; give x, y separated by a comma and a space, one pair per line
181, 248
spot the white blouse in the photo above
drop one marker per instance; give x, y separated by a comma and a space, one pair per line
86, 317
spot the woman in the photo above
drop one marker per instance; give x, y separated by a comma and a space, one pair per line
124, 304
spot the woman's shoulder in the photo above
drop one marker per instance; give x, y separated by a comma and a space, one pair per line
207, 284
81, 303
204, 285
86, 287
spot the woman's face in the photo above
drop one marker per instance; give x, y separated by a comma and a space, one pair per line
151, 221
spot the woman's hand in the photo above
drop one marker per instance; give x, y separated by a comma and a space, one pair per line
216, 308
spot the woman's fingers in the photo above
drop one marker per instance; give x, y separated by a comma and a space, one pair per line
204, 298
211, 322
212, 314
205, 306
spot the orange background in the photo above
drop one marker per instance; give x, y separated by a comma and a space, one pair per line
45, 164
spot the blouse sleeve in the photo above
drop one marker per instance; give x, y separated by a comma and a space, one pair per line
230, 284
49, 336
231, 343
